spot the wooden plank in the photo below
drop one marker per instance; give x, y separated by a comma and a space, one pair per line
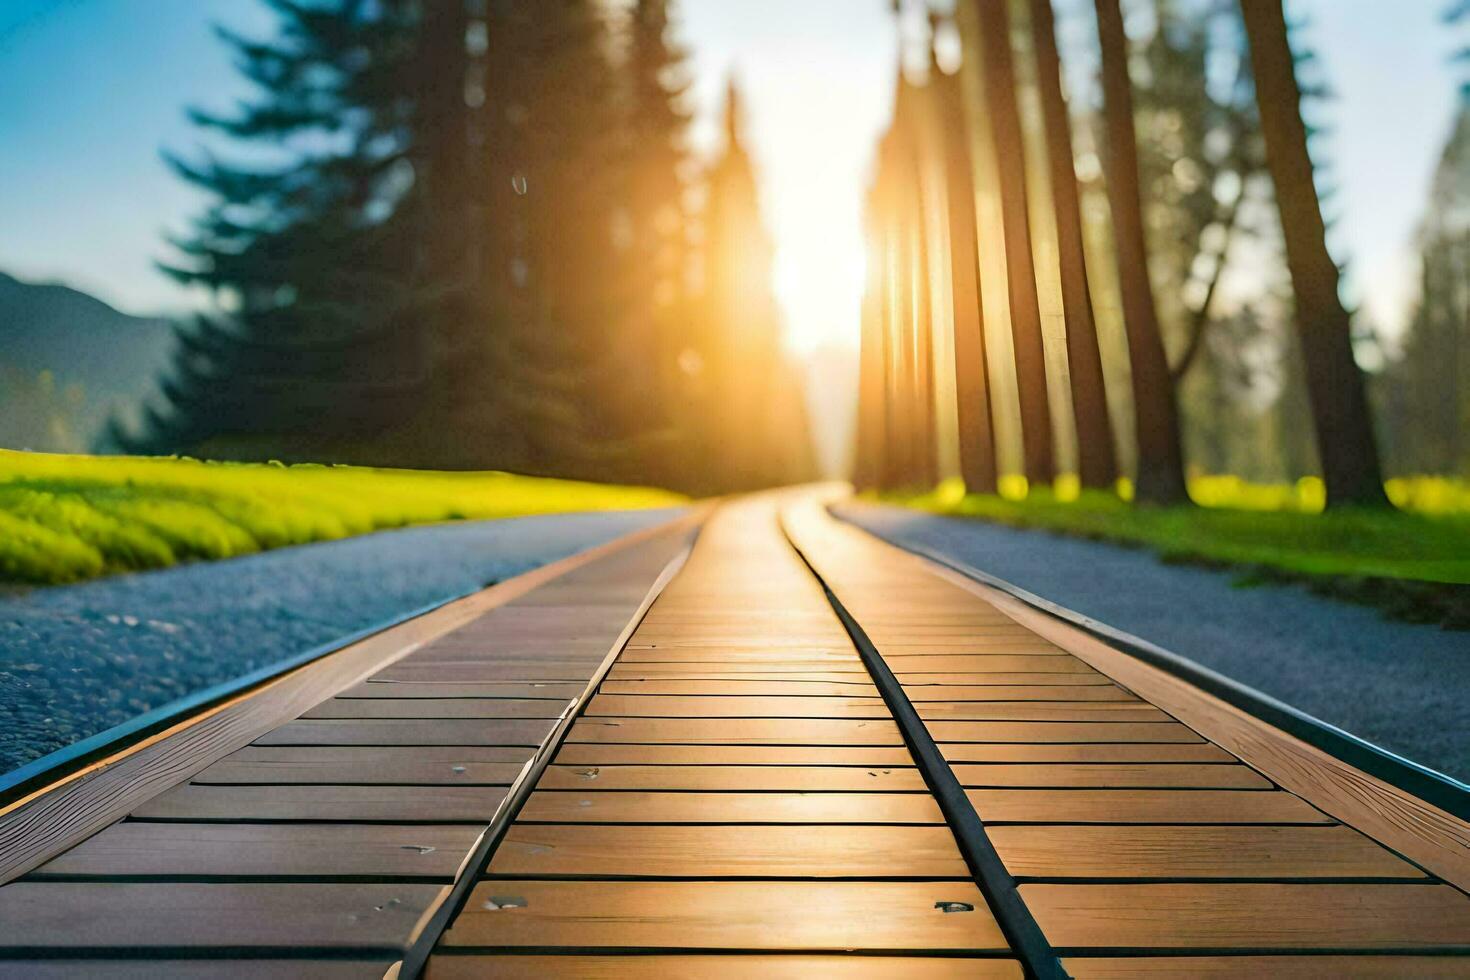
735, 706
1426, 834
1115, 776
1059, 731
374, 688
728, 851
176, 969
534, 671
437, 708
135, 915
733, 755
738, 915
399, 804
1277, 967
798, 779
1250, 916
443, 765
1038, 711
1086, 752
278, 850
736, 669
731, 808
714, 673
716, 967
906, 664
1142, 806
43, 824
1012, 692
1266, 853
745, 731
754, 687
916, 684
486, 731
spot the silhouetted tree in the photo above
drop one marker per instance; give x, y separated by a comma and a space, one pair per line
1160, 477
748, 391
1340, 412
658, 121
1096, 457
318, 331
998, 90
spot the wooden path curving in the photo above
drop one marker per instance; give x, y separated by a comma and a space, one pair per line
799, 752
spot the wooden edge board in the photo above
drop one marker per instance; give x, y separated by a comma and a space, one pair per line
1434, 838
53, 818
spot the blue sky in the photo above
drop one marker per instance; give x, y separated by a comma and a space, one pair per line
94, 88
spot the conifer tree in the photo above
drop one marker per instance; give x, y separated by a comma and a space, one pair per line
315, 334
657, 124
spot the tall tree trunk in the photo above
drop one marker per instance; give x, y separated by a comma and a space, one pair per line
1097, 464
999, 90
972, 379
1339, 401
1160, 462
871, 427
926, 461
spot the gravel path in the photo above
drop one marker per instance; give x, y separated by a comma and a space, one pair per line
1405, 687
78, 659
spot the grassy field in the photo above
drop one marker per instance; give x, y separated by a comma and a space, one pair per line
1283, 528
66, 518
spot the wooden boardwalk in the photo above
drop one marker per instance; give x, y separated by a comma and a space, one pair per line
811, 754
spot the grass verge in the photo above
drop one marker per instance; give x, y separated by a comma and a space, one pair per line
67, 518
1413, 564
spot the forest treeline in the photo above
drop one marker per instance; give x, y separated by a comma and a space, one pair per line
1105, 254
470, 234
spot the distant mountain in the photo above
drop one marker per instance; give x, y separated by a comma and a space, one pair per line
67, 361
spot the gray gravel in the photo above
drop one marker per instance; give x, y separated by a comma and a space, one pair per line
78, 659
1404, 687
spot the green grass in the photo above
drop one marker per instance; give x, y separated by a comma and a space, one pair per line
66, 518
1427, 539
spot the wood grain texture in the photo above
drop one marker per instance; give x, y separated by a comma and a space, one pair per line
801, 915
450, 731
1117, 776
379, 688
733, 755
1250, 916
399, 804
853, 688
1088, 752
731, 808
728, 851
199, 969
442, 765
450, 707
1059, 731
1265, 853
58, 915
799, 779
744, 731
1141, 806
734, 706
279, 850
715, 967
1277, 967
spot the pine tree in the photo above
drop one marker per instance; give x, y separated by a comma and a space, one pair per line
315, 336
749, 393
657, 124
